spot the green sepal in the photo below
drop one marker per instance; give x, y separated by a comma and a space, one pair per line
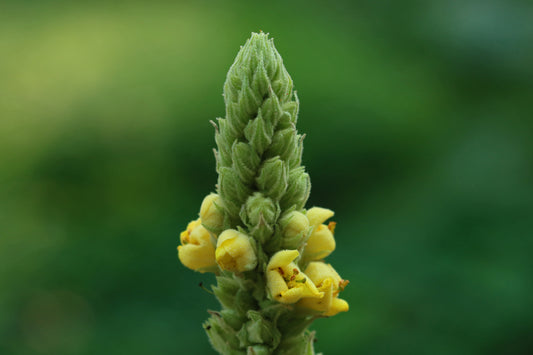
292, 107
259, 133
228, 131
245, 161
295, 242
301, 344
274, 243
262, 231
258, 350
283, 86
232, 190
225, 290
242, 335
236, 117
292, 324
273, 178
222, 337
290, 113
271, 108
260, 80
258, 293
233, 318
249, 103
232, 86
244, 300
261, 330
224, 142
295, 159
284, 144
273, 310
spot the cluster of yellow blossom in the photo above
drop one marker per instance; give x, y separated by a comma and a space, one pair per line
316, 288
202, 249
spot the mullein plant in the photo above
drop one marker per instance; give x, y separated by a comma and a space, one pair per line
266, 250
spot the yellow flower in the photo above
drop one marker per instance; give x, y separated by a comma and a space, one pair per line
327, 280
197, 251
235, 252
211, 213
321, 242
287, 284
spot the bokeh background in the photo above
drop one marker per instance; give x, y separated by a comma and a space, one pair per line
419, 127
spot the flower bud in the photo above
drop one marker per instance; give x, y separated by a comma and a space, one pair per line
211, 213
235, 252
299, 187
197, 251
245, 161
321, 242
294, 227
232, 191
258, 205
273, 178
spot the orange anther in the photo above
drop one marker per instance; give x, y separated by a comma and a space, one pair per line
331, 226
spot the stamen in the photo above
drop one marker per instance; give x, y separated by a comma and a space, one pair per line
343, 284
331, 227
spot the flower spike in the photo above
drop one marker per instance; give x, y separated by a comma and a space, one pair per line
254, 232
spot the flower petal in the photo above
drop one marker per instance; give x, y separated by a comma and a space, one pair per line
318, 215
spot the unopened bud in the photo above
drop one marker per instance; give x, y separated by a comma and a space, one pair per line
294, 227
212, 213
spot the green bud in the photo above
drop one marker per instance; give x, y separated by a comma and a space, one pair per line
271, 108
292, 108
284, 144
249, 103
245, 161
258, 206
283, 86
290, 115
294, 228
273, 178
232, 190
298, 191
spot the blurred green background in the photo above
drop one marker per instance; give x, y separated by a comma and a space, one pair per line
419, 127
